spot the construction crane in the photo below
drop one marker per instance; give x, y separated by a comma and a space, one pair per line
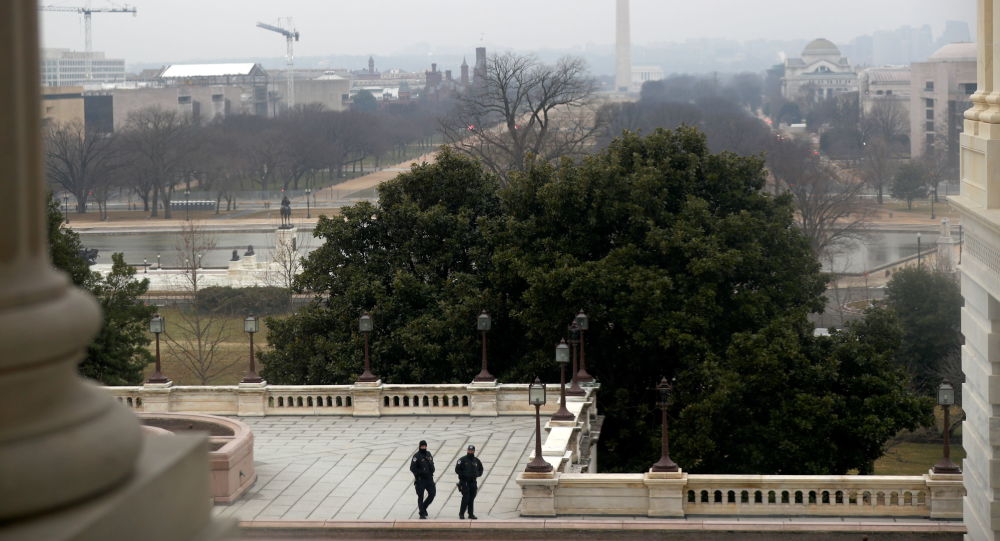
290, 35
87, 32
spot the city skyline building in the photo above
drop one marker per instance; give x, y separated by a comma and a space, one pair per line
64, 67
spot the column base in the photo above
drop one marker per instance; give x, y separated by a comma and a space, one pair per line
666, 493
166, 498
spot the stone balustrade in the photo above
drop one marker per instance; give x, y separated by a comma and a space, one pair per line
680, 494
359, 400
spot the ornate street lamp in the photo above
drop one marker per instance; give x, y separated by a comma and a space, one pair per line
157, 325
251, 326
483, 324
158, 265
536, 397
946, 399
562, 357
308, 191
583, 322
574, 340
662, 401
365, 327
145, 265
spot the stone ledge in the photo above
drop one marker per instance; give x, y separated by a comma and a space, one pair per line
582, 524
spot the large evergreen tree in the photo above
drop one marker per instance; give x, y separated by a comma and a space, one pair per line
685, 267
118, 354
929, 306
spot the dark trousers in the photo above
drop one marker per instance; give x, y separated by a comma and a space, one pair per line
423, 485
468, 496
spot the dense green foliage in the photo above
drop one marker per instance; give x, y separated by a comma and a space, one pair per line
685, 267
928, 305
118, 353
910, 183
243, 301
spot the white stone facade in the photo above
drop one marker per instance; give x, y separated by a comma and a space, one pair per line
821, 73
979, 205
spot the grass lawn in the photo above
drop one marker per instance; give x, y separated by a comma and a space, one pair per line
909, 458
921, 209
232, 358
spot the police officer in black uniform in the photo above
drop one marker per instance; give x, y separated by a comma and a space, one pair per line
422, 467
468, 468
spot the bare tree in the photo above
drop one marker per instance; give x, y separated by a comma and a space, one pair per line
828, 204
79, 160
886, 120
159, 143
286, 262
521, 109
878, 165
199, 336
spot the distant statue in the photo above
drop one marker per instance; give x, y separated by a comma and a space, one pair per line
249, 251
236, 255
286, 213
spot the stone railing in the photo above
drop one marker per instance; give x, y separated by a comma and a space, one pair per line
679, 495
359, 400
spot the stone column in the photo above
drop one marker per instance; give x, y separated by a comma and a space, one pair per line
61, 439
623, 47
483, 399
251, 399
366, 398
538, 494
666, 493
946, 248
979, 205
946, 494
156, 397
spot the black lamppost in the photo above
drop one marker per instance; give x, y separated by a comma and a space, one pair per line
574, 340
959, 243
251, 326
145, 266
583, 322
308, 192
919, 257
665, 464
483, 324
66, 207
187, 204
156, 325
158, 265
365, 327
536, 397
946, 398
562, 357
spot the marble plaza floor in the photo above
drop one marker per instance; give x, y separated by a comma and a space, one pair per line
346, 468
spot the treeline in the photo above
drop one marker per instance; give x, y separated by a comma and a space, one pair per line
687, 269
158, 154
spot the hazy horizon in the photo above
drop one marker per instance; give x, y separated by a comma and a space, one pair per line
180, 31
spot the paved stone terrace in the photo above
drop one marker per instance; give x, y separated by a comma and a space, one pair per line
347, 468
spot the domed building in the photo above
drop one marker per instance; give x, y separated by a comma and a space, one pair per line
940, 90
821, 72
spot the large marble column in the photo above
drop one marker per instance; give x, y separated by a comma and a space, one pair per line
979, 205
623, 47
61, 439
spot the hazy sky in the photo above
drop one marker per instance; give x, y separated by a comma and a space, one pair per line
180, 30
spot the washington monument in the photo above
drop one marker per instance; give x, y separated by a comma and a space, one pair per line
623, 48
